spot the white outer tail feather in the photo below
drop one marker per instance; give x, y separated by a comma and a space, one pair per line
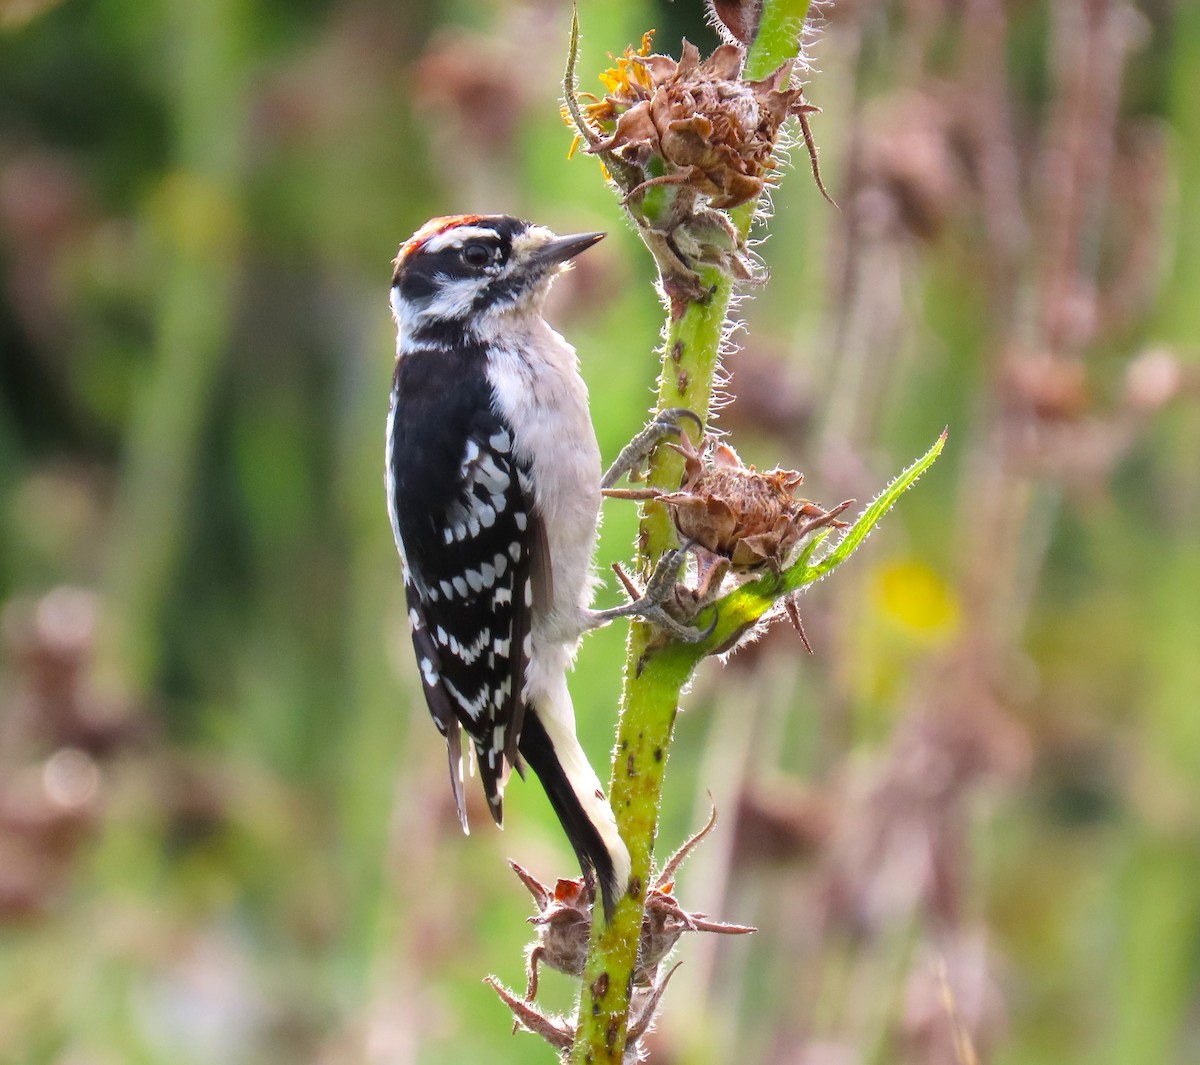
559, 722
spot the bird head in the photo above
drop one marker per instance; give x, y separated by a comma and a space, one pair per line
462, 273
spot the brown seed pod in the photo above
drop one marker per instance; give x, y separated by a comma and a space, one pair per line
713, 132
731, 510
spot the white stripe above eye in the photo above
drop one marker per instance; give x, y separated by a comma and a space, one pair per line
457, 237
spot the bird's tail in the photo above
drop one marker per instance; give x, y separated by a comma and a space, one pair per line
550, 747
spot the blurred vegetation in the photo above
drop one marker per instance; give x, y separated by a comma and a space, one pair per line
968, 826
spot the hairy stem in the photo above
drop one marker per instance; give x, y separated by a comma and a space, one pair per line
650, 700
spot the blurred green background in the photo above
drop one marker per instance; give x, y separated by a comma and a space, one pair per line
968, 825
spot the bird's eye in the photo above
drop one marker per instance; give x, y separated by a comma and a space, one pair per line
477, 254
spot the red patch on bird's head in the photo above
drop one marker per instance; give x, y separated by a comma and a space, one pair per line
430, 230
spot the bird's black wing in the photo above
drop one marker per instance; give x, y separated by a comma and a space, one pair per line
466, 529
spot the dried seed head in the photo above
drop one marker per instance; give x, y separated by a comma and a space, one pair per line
733, 512
564, 921
664, 923
699, 132
713, 132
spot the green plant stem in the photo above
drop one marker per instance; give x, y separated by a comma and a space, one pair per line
650, 699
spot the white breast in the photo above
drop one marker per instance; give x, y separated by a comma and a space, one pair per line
540, 394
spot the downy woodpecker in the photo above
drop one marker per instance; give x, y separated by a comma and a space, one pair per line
493, 485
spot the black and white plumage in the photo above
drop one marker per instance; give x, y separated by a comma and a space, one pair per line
493, 480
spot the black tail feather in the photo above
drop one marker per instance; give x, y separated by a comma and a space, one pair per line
594, 859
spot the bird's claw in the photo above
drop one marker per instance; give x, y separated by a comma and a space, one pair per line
634, 454
665, 576
650, 605
659, 616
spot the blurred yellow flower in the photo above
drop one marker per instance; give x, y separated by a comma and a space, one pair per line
917, 598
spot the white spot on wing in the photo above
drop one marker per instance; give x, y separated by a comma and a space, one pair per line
428, 672
490, 477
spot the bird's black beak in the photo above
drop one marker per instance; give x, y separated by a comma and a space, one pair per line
561, 249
